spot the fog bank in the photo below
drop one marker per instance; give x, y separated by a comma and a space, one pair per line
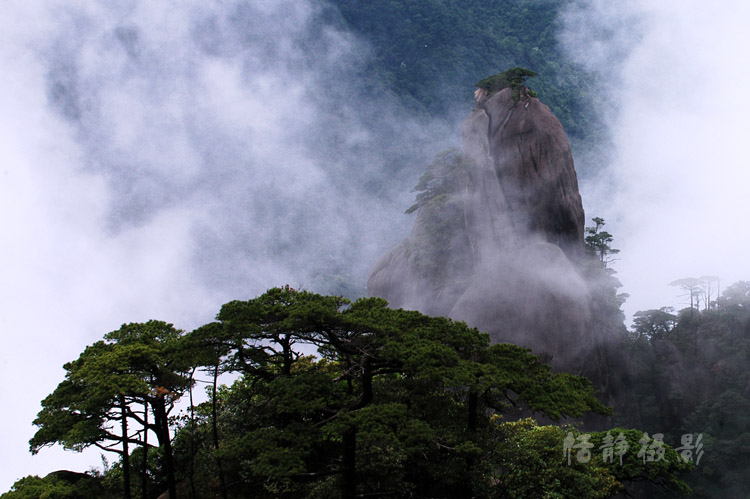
158, 161
676, 74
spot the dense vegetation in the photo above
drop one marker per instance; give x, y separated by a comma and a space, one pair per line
513, 78
430, 54
332, 399
690, 370
339, 399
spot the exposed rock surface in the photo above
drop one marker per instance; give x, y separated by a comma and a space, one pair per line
522, 148
498, 238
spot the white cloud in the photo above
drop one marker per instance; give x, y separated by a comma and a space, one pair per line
157, 161
678, 74
66, 278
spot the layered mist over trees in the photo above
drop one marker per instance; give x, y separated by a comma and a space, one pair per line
690, 368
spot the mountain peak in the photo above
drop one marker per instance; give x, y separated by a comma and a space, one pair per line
499, 230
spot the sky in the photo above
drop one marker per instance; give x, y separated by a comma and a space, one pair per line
157, 162
674, 194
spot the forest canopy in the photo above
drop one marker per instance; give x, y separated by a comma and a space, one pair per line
332, 399
430, 53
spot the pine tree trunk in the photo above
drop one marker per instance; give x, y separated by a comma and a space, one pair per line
144, 469
191, 470
125, 450
162, 424
215, 431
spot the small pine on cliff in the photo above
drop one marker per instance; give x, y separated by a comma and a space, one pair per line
513, 78
498, 239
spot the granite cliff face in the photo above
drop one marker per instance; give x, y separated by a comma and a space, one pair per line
525, 148
498, 237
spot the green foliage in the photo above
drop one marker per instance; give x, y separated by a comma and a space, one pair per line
56, 486
691, 377
513, 78
529, 461
393, 402
441, 213
409, 393
140, 364
654, 323
440, 178
599, 241
416, 398
532, 464
642, 462
430, 53
138, 361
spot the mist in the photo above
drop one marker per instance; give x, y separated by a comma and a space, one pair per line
159, 161
675, 74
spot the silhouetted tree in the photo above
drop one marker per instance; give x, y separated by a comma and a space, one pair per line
140, 363
654, 323
599, 241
